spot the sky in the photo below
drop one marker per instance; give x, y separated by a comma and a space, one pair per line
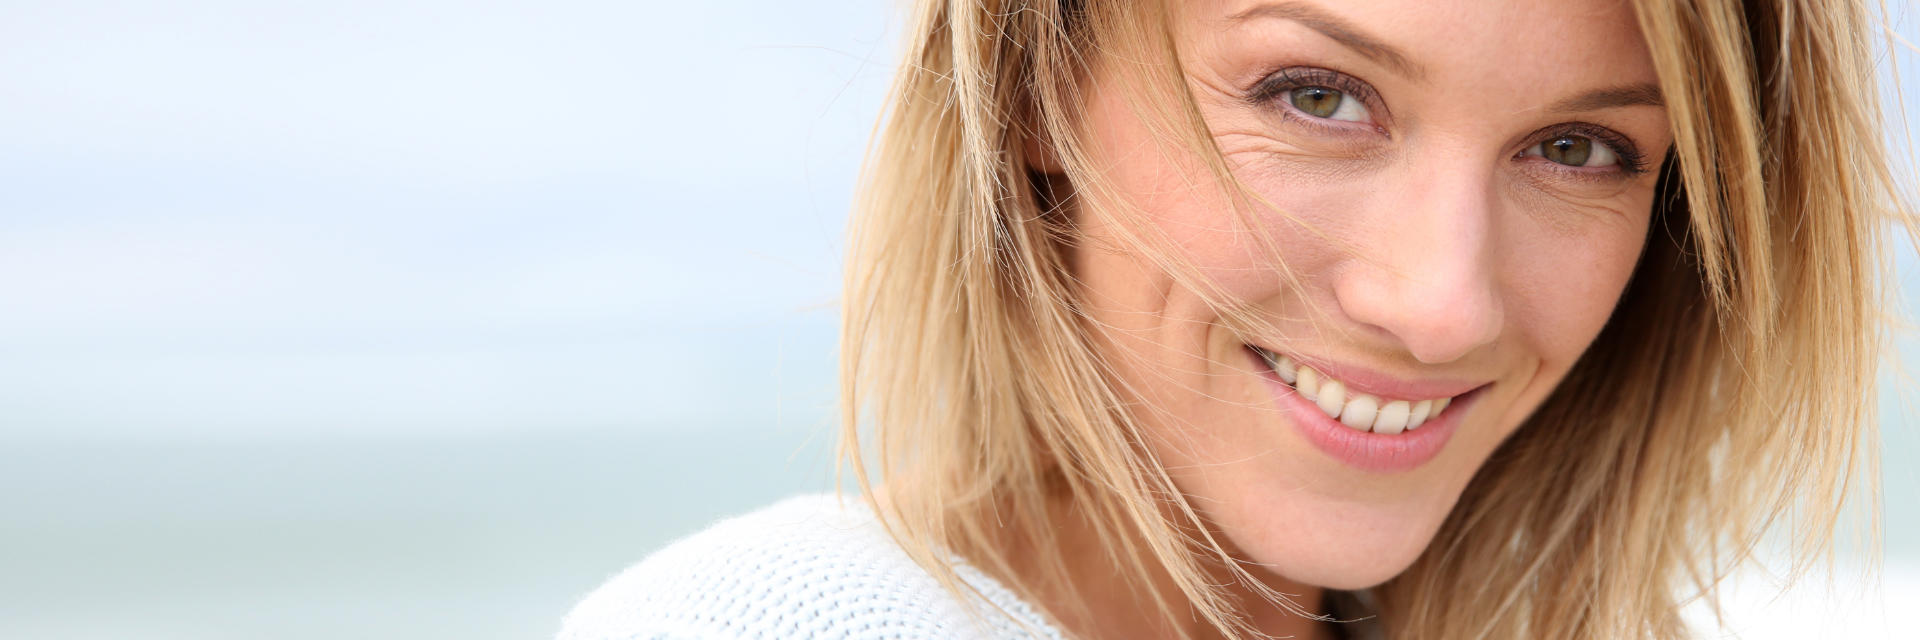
238, 217
427, 216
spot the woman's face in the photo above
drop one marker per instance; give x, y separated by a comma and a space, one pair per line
1471, 185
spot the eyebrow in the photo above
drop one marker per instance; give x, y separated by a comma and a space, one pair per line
1337, 29
1344, 32
1644, 94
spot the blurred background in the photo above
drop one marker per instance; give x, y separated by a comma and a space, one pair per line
418, 319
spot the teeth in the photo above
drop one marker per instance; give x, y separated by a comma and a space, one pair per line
1360, 411
1281, 364
1309, 385
1333, 397
1393, 418
1421, 410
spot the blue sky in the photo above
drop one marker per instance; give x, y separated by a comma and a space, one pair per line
235, 216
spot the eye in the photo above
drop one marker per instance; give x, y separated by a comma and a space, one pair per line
1575, 151
1329, 103
1312, 96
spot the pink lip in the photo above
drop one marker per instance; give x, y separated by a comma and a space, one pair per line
1366, 450
1385, 386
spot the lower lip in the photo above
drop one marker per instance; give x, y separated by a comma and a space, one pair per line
1366, 450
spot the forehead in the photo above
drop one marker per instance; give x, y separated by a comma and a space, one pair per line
1497, 42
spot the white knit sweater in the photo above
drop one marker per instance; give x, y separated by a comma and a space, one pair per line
809, 567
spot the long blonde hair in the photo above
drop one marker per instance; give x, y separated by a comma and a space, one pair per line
1728, 392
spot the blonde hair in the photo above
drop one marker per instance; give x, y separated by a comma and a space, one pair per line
1727, 393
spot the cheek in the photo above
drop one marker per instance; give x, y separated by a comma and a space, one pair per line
1149, 210
1564, 286
1296, 204
1158, 212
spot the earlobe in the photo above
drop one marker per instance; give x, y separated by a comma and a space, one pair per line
1044, 169
1039, 154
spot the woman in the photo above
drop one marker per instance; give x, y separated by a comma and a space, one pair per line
1312, 319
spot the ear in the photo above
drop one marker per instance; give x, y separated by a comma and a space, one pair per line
1039, 152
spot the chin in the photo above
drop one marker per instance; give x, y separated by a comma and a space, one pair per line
1337, 564
1318, 541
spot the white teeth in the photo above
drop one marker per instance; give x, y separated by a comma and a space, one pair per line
1421, 410
1286, 368
1393, 418
1357, 410
1309, 385
1333, 397
1360, 411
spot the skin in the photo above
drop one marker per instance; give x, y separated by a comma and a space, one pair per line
1427, 241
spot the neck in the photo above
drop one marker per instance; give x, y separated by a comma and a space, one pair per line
1103, 597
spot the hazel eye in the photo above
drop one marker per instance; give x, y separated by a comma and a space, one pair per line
1575, 151
1324, 102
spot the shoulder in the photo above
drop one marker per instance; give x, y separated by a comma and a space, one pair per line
808, 567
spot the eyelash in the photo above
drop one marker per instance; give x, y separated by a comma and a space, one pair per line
1632, 162
1272, 90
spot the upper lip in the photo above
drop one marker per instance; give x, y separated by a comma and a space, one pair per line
1384, 385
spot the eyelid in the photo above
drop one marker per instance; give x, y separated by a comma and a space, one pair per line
1269, 91
1632, 162
1274, 86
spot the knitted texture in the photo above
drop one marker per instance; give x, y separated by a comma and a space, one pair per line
809, 567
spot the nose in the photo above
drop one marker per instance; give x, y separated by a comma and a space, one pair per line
1425, 271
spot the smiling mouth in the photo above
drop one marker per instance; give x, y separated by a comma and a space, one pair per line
1358, 411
